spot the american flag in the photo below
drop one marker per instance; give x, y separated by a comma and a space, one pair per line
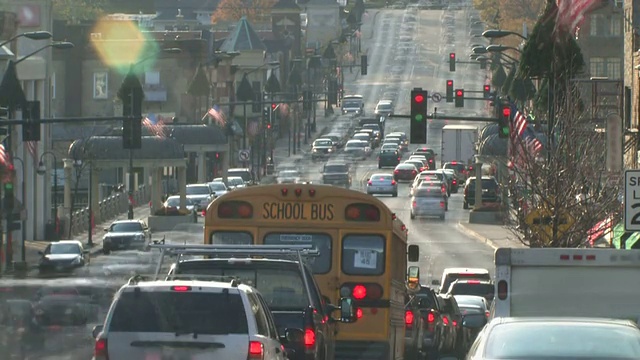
284, 109
4, 157
216, 115
523, 143
571, 13
155, 126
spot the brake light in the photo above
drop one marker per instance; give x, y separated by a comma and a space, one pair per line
455, 323
312, 192
399, 159
577, 257
503, 288
408, 317
414, 204
431, 318
396, 171
256, 350
181, 288
454, 182
442, 204
235, 209
393, 182
100, 350
369, 182
204, 212
362, 212
359, 292
430, 160
309, 337
359, 313
414, 172
445, 320
454, 163
473, 282
487, 313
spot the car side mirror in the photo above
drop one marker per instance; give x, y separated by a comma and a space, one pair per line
347, 311
40, 253
413, 253
106, 229
435, 282
86, 252
96, 331
293, 335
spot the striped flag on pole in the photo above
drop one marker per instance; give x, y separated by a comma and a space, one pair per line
155, 126
571, 13
32, 148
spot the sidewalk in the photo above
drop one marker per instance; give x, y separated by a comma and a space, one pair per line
32, 247
495, 236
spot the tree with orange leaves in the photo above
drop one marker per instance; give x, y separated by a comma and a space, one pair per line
256, 11
510, 15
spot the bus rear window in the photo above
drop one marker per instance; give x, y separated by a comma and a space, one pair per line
363, 255
231, 238
322, 242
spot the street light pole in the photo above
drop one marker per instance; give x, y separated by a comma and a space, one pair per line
23, 224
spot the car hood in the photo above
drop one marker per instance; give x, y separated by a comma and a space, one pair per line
123, 234
61, 257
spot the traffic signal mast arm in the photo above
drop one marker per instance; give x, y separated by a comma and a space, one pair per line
439, 116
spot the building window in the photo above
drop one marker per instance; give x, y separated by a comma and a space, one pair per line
152, 78
52, 84
605, 67
605, 25
100, 85
615, 28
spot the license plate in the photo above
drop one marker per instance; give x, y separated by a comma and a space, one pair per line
380, 189
59, 267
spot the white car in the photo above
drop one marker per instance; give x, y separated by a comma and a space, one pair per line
195, 320
233, 182
382, 184
218, 188
200, 194
357, 149
289, 177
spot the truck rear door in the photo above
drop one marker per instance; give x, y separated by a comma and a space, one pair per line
567, 282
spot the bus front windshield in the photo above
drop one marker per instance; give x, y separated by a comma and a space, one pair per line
320, 264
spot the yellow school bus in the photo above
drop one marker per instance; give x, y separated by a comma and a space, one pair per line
363, 252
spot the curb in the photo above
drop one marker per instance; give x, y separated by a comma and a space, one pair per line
479, 237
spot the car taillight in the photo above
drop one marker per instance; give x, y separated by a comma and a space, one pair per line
455, 323
256, 350
204, 212
431, 318
442, 204
414, 172
393, 182
100, 350
309, 338
369, 182
445, 320
454, 182
430, 160
399, 159
408, 317
414, 204
487, 313
396, 171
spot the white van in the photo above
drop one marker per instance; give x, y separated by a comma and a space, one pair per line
353, 104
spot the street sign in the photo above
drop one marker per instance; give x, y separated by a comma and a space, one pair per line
243, 155
632, 200
540, 221
436, 97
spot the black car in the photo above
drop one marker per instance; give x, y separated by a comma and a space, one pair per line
475, 315
490, 191
62, 306
336, 173
484, 288
388, 158
427, 153
62, 257
405, 172
125, 234
282, 285
453, 322
434, 337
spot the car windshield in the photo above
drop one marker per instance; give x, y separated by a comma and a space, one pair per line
126, 227
457, 166
428, 191
372, 126
562, 340
335, 168
363, 137
351, 104
486, 183
477, 289
58, 248
356, 144
235, 181
384, 106
179, 312
198, 190
282, 289
323, 143
289, 173
406, 167
174, 201
217, 186
392, 140
389, 147
417, 164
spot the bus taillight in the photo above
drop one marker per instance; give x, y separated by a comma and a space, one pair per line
284, 191
235, 210
359, 313
298, 192
312, 192
360, 292
362, 212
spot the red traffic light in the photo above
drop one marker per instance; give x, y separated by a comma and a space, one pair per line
449, 82
269, 126
452, 55
459, 93
273, 106
419, 98
487, 88
506, 112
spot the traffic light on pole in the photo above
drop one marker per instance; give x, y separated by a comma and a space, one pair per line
449, 91
363, 65
306, 100
452, 61
459, 97
504, 118
487, 91
9, 197
418, 116
265, 113
31, 127
132, 107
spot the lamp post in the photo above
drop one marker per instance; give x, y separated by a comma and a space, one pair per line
77, 164
131, 175
61, 45
41, 171
32, 35
497, 34
23, 222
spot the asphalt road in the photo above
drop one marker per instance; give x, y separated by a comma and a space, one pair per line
407, 49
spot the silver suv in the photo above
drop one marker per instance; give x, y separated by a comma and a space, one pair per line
189, 320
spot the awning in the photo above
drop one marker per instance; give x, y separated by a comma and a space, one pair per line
600, 229
618, 232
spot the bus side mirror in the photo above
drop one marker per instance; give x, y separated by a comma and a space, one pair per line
413, 279
96, 331
413, 253
347, 311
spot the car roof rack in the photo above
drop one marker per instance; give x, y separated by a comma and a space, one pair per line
297, 252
